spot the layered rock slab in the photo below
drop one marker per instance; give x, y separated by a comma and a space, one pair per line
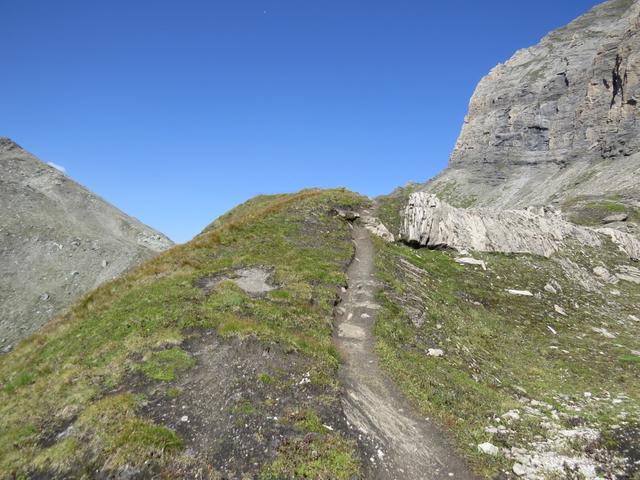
431, 222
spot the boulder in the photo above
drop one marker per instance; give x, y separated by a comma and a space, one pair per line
348, 215
615, 217
488, 449
626, 242
375, 226
471, 261
521, 293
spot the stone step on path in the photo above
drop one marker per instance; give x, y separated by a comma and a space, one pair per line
407, 446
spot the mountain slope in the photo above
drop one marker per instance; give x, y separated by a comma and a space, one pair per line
557, 123
215, 359
519, 330
57, 241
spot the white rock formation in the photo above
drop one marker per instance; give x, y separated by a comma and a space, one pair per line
375, 226
431, 222
428, 221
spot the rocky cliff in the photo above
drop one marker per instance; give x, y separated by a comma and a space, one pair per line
557, 123
57, 241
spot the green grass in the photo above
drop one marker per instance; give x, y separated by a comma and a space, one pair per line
591, 212
329, 457
164, 365
497, 345
308, 421
266, 379
65, 375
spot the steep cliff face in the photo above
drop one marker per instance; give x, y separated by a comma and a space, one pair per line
57, 241
557, 123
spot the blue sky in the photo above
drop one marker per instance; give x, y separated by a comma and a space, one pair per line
175, 111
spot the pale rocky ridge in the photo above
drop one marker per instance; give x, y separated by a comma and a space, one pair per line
57, 242
557, 123
431, 222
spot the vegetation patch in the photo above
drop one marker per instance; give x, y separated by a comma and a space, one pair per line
164, 364
327, 457
514, 372
591, 212
74, 371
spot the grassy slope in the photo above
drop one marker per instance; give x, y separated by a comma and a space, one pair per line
74, 373
591, 211
498, 346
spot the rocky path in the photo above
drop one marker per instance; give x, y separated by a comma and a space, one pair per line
406, 446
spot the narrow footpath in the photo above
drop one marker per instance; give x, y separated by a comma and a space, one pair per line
406, 445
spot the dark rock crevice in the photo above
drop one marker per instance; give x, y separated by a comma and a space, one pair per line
618, 81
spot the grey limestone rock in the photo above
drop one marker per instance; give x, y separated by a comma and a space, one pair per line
616, 217
557, 121
431, 222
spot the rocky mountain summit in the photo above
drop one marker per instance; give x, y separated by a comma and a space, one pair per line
556, 123
57, 241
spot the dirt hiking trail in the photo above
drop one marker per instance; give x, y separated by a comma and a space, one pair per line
406, 445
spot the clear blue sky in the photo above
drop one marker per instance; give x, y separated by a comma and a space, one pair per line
175, 111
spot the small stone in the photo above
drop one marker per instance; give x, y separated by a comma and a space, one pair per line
522, 293
471, 261
550, 288
519, 469
184, 418
435, 352
604, 332
560, 310
488, 449
512, 415
615, 217
104, 263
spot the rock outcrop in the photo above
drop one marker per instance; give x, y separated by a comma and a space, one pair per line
57, 241
433, 223
557, 122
